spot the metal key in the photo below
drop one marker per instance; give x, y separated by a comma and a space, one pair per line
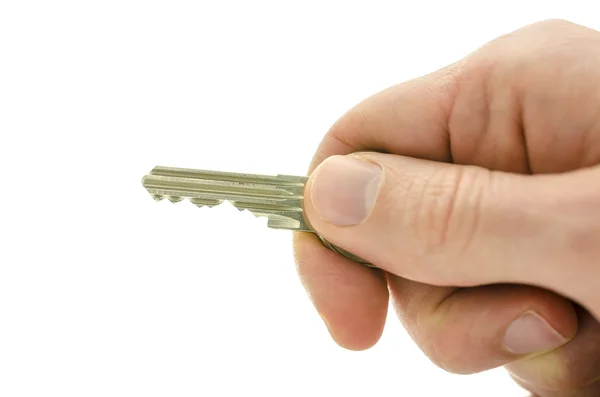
280, 198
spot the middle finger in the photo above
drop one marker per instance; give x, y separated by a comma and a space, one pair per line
475, 329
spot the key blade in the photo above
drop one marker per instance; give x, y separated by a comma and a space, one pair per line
278, 197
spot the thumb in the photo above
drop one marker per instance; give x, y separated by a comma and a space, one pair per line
446, 224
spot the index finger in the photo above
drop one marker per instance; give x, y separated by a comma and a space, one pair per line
410, 119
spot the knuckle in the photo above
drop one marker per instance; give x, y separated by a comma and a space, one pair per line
437, 337
554, 23
438, 200
445, 352
515, 49
441, 221
536, 30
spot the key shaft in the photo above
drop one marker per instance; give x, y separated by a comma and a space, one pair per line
279, 198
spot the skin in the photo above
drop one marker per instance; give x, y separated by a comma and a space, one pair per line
488, 207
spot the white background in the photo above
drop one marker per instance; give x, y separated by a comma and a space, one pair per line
104, 292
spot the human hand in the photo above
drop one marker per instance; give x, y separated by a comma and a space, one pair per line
487, 201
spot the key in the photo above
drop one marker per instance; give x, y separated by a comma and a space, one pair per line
279, 198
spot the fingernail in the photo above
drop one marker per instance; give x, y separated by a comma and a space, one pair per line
530, 333
343, 189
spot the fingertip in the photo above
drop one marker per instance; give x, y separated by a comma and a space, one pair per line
573, 366
354, 338
351, 299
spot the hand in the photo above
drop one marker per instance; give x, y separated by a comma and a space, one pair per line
487, 200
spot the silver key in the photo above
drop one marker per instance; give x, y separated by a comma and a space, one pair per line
280, 198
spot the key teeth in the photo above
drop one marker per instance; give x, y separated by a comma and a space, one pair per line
273, 221
178, 199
